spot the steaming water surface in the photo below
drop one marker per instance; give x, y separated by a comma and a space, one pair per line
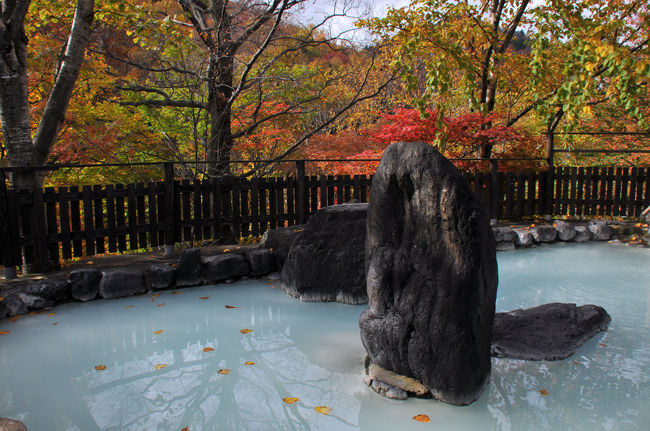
312, 351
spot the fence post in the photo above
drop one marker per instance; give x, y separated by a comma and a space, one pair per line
301, 195
494, 169
6, 245
170, 205
548, 199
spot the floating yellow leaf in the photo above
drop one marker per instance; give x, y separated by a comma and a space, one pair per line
186, 429
249, 363
160, 331
225, 250
162, 304
129, 306
323, 410
224, 371
55, 323
231, 306
90, 262
204, 297
160, 366
290, 400
421, 418
4, 332
100, 367
176, 292
50, 315
155, 295
544, 392
208, 349
245, 331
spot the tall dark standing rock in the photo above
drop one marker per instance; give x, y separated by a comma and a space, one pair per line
431, 275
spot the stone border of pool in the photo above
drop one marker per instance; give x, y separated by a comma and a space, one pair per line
33, 294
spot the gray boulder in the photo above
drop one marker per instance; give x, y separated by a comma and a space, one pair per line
3, 309
547, 332
227, 266
14, 304
84, 284
189, 271
279, 241
34, 302
327, 259
543, 233
504, 234
600, 230
565, 231
261, 261
582, 234
56, 290
121, 282
159, 276
505, 246
431, 275
524, 238
7, 424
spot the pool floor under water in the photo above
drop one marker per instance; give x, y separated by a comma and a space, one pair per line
180, 359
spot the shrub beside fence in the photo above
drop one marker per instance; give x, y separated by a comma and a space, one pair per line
67, 222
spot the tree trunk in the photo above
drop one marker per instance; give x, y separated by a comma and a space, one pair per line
219, 108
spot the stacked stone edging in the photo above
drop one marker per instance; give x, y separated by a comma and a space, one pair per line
89, 284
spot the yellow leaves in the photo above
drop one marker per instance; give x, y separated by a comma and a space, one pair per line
587, 110
543, 392
421, 418
50, 315
176, 292
245, 331
158, 332
162, 304
290, 400
204, 297
15, 318
186, 429
100, 367
160, 366
224, 371
128, 306
249, 363
55, 323
4, 332
226, 250
155, 295
208, 349
323, 410
231, 306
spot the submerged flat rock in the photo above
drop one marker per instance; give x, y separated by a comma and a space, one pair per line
547, 332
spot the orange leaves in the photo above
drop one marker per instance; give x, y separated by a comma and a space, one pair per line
324, 410
543, 392
155, 295
208, 349
158, 332
128, 306
100, 367
245, 331
176, 292
162, 304
186, 429
224, 371
249, 363
231, 306
290, 400
225, 250
421, 418
160, 366
4, 332
204, 297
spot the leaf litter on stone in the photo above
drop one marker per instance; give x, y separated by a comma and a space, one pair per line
421, 418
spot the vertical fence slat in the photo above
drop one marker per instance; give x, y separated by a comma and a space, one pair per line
120, 220
49, 197
580, 196
141, 225
132, 216
152, 206
245, 229
197, 212
75, 221
255, 207
280, 188
98, 206
64, 221
291, 208
110, 219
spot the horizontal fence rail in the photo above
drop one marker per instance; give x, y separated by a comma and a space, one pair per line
66, 222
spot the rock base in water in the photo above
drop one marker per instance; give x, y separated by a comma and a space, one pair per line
547, 332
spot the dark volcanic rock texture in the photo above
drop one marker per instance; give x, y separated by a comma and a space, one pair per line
326, 260
547, 332
431, 275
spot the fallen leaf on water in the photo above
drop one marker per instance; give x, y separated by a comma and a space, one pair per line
50, 315
231, 306
323, 410
225, 250
160, 366
208, 349
153, 300
100, 367
155, 295
421, 418
15, 318
602, 344
176, 292
129, 306
186, 429
238, 247
162, 304
160, 331
204, 297
576, 362
4, 332
245, 331
224, 371
297, 230
543, 392
249, 363
290, 400
55, 323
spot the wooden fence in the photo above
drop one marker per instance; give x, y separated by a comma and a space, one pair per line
66, 222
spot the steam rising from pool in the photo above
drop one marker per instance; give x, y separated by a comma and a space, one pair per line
312, 351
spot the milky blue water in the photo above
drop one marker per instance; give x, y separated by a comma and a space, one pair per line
312, 351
